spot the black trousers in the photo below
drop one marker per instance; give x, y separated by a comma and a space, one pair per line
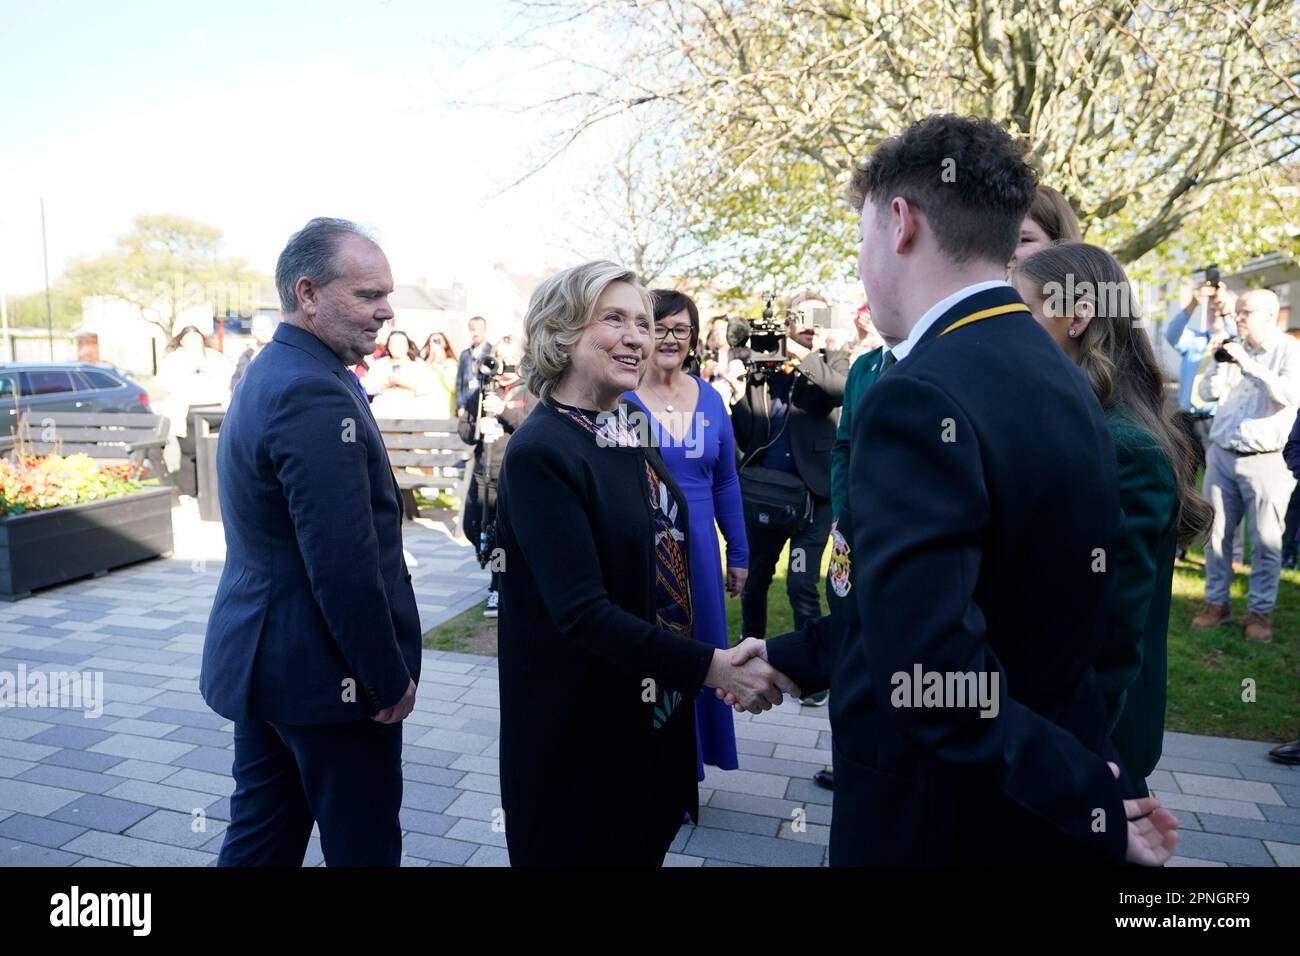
187, 478
346, 778
1289, 544
803, 585
474, 515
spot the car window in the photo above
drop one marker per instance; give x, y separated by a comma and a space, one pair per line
100, 379
46, 382
8, 384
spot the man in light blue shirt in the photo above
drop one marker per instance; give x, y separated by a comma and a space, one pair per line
1188, 333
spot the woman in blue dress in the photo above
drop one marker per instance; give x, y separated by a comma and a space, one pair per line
688, 421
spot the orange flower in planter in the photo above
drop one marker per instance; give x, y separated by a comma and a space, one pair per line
35, 482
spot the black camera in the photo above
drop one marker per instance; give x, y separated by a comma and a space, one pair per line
1221, 354
764, 337
1212, 276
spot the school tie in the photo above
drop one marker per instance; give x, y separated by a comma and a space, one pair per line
888, 362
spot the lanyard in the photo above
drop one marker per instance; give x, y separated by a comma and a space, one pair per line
986, 314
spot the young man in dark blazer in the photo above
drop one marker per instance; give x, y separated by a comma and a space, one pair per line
983, 511
313, 644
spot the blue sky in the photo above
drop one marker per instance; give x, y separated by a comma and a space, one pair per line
254, 117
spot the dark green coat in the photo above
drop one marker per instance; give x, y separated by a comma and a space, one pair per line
1132, 670
863, 374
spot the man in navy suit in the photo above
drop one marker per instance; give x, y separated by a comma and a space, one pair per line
981, 518
313, 644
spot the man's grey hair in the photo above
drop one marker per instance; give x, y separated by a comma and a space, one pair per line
312, 253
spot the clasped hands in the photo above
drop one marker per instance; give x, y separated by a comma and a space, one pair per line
744, 679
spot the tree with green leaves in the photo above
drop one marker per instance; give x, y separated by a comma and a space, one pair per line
164, 265
1151, 117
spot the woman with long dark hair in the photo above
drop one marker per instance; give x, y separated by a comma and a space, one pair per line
1081, 296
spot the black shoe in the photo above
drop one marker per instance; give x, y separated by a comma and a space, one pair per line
825, 779
1289, 559
1287, 753
816, 700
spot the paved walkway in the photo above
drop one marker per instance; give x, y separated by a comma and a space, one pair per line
148, 781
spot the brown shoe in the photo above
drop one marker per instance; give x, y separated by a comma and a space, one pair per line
1212, 615
1259, 627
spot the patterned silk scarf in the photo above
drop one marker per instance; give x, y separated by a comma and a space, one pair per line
672, 574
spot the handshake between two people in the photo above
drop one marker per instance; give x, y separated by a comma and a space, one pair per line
742, 677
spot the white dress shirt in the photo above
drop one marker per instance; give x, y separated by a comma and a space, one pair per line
932, 314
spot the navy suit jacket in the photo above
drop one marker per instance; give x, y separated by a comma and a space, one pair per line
314, 621
982, 483
467, 381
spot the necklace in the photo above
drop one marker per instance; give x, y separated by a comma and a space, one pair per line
668, 405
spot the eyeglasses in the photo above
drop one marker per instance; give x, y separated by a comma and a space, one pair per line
679, 332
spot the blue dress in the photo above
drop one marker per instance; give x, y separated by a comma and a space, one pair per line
703, 463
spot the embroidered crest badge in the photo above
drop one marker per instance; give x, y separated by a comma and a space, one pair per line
841, 566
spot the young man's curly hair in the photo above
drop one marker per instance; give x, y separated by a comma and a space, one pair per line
970, 180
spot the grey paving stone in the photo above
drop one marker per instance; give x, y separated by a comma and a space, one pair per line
482, 782
136, 852
441, 776
201, 737
428, 756
721, 819
1289, 815
426, 847
429, 797
478, 806
17, 728
141, 728
471, 764
476, 831
744, 781
1278, 773
38, 830
489, 856
80, 760
461, 743
1290, 794
1259, 829
12, 767
748, 803
1181, 860
785, 768
747, 848
761, 748
25, 750
68, 778
210, 759
16, 853
161, 795
218, 784
67, 735
1229, 849
1161, 780
142, 748
1284, 854
219, 810
1199, 804
1245, 790
805, 791
186, 718
177, 829
777, 734
140, 770
34, 798
102, 813
421, 821
806, 833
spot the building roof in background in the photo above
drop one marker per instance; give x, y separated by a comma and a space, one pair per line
420, 296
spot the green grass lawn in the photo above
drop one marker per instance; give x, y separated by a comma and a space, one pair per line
1206, 669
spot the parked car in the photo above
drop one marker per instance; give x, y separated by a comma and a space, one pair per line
65, 387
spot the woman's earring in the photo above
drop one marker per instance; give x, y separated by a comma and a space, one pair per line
1073, 333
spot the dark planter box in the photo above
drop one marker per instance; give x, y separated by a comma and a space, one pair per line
41, 548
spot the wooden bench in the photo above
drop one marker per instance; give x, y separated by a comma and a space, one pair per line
433, 446
104, 436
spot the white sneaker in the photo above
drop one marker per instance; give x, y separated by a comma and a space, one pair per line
492, 605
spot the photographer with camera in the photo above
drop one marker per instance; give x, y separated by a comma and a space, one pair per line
495, 409
785, 427
1256, 382
1207, 315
